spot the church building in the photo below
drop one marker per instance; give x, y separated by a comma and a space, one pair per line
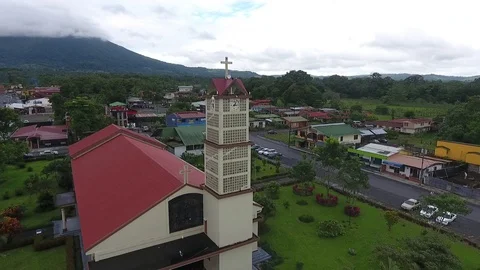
141, 207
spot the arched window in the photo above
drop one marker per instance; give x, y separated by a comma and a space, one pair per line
185, 212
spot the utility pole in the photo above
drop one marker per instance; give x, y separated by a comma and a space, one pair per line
422, 178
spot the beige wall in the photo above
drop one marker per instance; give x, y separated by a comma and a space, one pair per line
350, 139
152, 228
236, 259
235, 224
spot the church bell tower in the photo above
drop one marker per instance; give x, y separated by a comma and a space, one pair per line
228, 199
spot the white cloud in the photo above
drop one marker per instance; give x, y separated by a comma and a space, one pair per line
271, 37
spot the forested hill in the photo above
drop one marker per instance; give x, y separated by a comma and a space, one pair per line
299, 88
426, 77
90, 55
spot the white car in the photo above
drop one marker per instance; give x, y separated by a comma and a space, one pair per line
429, 211
446, 218
261, 150
410, 204
49, 152
268, 151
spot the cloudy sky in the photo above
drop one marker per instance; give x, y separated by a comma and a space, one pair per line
322, 37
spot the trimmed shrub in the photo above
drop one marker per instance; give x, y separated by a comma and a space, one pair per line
40, 244
29, 169
16, 244
13, 212
6, 195
330, 229
70, 253
286, 204
306, 218
302, 202
299, 266
303, 191
352, 211
21, 165
329, 200
45, 202
18, 192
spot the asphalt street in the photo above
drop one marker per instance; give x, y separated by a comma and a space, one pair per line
382, 189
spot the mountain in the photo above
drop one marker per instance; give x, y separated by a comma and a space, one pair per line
91, 55
427, 77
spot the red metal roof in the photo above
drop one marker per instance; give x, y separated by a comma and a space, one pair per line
44, 133
106, 134
120, 179
323, 115
190, 114
222, 85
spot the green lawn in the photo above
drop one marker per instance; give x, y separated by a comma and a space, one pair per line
15, 178
265, 170
423, 140
298, 242
26, 258
282, 137
420, 109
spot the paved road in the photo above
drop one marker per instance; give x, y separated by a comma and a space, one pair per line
390, 192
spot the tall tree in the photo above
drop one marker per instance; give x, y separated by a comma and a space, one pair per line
331, 155
9, 122
448, 202
61, 171
10, 227
86, 115
352, 177
304, 171
11, 152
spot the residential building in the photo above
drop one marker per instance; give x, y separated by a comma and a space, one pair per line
42, 136
183, 139
408, 126
199, 106
271, 119
194, 220
185, 88
42, 92
317, 134
374, 154
257, 123
372, 134
170, 97
412, 167
119, 112
136, 102
190, 118
315, 115
260, 102
263, 108
296, 122
462, 152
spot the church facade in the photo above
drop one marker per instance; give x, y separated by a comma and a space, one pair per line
141, 207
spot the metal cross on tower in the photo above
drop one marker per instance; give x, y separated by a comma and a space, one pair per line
226, 62
186, 170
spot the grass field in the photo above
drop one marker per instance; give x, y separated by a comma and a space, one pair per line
420, 109
26, 258
265, 170
15, 178
423, 140
282, 137
298, 242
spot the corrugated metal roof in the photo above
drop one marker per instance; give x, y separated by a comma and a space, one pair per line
259, 256
380, 149
378, 131
366, 132
336, 129
191, 135
295, 119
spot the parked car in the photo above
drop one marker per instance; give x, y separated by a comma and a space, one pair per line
410, 204
383, 140
255, 147
273, 154
261, 150
446, 218
272, 131
429, 211
49, 152
268, 150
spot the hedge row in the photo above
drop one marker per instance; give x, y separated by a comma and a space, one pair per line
16, 244
70, 253
267, 178
40, 243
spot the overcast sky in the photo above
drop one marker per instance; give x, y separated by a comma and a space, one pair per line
322, 37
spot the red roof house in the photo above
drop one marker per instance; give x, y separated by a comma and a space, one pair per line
315, 115
43, 136
106, 185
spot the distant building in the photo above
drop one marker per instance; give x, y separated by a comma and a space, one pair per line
190, 118
408, 126
41, 92
119, 112
185, 88
462, 152
317, 134
412, 167
374, 154
199, 106
296, 122
135, 102
315, 115
183, 139
260, 102
42, 136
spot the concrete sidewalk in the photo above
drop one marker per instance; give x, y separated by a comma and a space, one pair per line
391, 177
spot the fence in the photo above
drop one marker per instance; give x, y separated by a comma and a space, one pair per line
452, 187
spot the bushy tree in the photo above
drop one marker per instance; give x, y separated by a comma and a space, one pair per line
331, 155
272, 190
448, 202
36, 184
381, 110
45, 202
392, 218
61, 171
428, 252
304, 171
269, 208
10, 227
9, 122
409, 114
